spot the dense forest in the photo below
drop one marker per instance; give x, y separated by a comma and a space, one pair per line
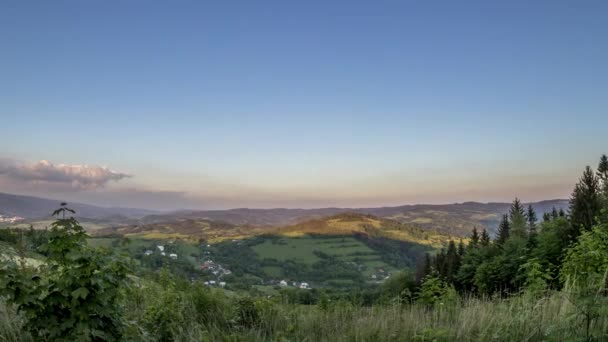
544, 276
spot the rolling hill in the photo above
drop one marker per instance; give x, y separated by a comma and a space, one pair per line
453, 219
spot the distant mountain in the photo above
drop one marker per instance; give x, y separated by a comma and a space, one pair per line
453, 219
38, 208
340, 224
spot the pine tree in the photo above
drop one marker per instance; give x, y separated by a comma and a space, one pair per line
585, 203
531, 218
546, 217
519, 221
452, 262
461, 248
474, 238
562, 213
554, 213
485, 238
503, 230
602, 173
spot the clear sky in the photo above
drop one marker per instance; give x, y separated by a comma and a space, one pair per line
196, 104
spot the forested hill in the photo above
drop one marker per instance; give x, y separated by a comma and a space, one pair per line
453, 219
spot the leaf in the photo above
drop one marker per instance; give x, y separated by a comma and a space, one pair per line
81, 292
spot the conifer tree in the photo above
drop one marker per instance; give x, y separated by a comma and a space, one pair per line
503, 230
518, 219
474, 238
531, 218
485, 238
554, 213
585, 203
452, 262
602, 173
562, 213
461, 248
546, 217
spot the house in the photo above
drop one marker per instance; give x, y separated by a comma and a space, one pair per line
161, 248
162, 253
148, 252
304, 285
283, 283
173, 256
206, 283
374, 276
222, 283
211, 282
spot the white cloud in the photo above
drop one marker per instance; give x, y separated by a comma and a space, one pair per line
76, 177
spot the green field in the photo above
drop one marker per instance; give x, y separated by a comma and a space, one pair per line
302, 250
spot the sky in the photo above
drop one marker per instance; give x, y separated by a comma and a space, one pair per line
224, 104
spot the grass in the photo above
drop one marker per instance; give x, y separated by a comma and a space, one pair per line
214, 317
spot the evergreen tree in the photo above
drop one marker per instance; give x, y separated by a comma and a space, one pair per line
485, 238
461, 248
554, 213
518, 219
474, 238
546, 217
452, 262
585, 203
503, 230
602, 173
562, 213
531, 218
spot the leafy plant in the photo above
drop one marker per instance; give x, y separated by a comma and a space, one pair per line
74, 296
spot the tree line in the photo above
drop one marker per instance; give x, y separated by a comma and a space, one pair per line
527, 250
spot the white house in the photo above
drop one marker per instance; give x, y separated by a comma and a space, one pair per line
162, 253
283, 283
304, 285
160, 248
222, 283
206, 283
148, 252
211, 282
173, 256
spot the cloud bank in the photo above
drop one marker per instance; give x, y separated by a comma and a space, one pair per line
75, 177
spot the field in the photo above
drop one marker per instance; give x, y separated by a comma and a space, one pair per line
306, 250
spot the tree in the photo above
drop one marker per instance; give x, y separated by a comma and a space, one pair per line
546, 217
484, 241
531, 218
602, 173
452, 262
554, 213
518, 219
461, 248
585, 203
474, 238
503, 230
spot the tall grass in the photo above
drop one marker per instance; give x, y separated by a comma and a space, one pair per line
202, 315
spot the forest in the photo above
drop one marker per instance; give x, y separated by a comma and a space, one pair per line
543, 277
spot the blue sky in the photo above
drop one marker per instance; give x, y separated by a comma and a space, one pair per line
302, 104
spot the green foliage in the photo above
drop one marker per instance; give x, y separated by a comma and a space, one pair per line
587, 261
75, 295
536, 277
503, 230
435, 291
585, 203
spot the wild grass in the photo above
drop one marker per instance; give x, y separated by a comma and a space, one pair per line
200, 314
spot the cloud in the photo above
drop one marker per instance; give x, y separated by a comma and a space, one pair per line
76, 177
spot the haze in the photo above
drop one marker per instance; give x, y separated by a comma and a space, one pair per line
276, 104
